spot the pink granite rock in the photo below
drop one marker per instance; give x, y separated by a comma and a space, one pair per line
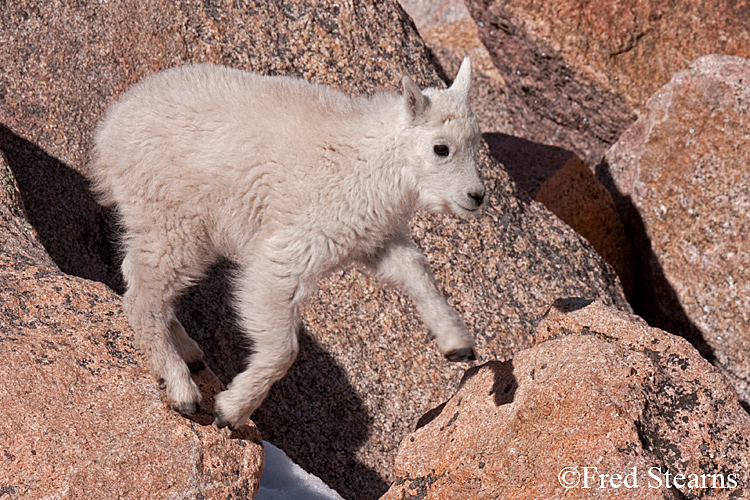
576, 71
80, 416
681, 177
335, 413
575, 195
600, 394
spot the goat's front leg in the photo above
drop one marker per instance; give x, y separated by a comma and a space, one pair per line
403, 265
268, 303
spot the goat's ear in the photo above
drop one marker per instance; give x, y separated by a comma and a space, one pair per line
462, 83
416, 101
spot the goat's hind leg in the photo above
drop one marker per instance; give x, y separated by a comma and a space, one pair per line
188, 348
153, 285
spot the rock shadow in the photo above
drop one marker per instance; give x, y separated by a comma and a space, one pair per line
78, 234
528, 163
568, 305
654, 299
503, 390
315, 416
207, 312
504, 385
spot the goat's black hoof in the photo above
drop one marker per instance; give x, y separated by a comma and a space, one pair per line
219, 419
463, 354
196, 366
162, 384
186, 408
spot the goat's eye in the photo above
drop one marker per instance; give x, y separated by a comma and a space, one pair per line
441, 150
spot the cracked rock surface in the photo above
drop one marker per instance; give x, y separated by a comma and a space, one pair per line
601, 389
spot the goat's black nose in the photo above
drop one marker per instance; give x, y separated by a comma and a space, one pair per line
477, 196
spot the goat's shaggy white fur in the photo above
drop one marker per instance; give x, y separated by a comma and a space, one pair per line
288, 179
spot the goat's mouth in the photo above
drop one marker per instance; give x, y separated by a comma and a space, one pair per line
462, 208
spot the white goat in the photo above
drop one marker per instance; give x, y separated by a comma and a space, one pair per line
288, 179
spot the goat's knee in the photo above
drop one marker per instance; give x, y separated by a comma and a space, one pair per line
188, 348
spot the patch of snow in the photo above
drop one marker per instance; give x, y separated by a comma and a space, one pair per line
282, 479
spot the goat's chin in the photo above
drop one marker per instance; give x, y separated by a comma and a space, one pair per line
450, 207
460, 210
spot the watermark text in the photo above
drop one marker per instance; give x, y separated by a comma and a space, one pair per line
656, 477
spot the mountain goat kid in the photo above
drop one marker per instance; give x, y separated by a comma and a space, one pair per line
288, 179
